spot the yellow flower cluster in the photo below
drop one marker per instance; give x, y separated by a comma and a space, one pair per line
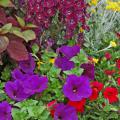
113, 44
114, 6
94, 2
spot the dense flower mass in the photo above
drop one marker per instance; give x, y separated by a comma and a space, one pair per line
77, 87
111, 94
5, 111
40, 12
71, 13
65, 112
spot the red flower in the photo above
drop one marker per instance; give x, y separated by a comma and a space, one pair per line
109, 72
108, 56
51, 107
79, 105
96, 88
118, 81
118, 63
111, 93
118, 35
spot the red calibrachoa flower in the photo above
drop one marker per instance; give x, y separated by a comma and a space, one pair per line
108, 56
118, 63
79, 105
111, 94
51, 106
109, 72
118, 81
96, 88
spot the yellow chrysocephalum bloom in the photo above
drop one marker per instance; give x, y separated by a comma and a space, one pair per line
52, 60
81, 30
95, 60
113, 44
94, 2
39, 63
114, 6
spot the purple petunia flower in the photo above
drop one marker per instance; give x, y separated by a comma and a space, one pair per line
5, 111
27, 66
17, 74
88, 70
35, 84
64, 63
16, 91
65, 112
69, 51
77, 87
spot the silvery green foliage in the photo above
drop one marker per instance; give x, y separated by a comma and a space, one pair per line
103, 23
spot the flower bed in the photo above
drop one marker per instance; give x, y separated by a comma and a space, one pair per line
59, 60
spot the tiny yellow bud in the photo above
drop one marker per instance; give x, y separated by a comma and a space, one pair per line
95, 60
39, 63
93, 10
52, 60
81, 29
113, 44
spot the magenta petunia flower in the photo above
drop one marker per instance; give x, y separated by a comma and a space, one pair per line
16, 91
77, 87
89, 70
65, 112
5, 111
27, 66
69, 51
64, 63
35, 84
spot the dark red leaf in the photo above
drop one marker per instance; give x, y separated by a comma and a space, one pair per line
17, 50
3, 18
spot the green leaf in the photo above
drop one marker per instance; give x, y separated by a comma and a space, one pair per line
18, 33
20, 21
35, 48
76, 71
30, 25
80, 58
6, 28
4, 42
29, 35
6, 3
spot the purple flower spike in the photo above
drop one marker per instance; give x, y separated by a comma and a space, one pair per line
35, 84
88, 70
77, 87
64, 63
5, 111
27, 66
16, 91
65, 112
70, 51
